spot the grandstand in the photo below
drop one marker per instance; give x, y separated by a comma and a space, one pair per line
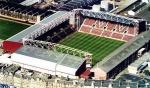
57, 33
47, 61
122, 57
108, 29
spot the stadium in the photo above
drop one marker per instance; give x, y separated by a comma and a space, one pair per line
81, 43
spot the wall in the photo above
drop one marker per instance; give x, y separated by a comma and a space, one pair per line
33, 63
99, 74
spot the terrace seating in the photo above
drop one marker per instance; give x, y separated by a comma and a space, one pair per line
101, 24
110, 26
108, 29
96, 31
106, 33
57, 33
132, 30
121, 28
85, 29
89, 22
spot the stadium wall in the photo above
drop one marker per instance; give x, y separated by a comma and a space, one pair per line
33, 63
115, 71
142, 26
66, 71
99, 74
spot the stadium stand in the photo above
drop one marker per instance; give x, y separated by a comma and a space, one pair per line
108, 29
51, 62
22, 13
34, 31
57, 33
123, 56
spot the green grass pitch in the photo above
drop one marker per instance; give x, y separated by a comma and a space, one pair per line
9, 28
100, 47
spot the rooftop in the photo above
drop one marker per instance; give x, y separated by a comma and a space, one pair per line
52, 56
144, 12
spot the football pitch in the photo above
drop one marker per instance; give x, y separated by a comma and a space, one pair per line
100, 47
9, 28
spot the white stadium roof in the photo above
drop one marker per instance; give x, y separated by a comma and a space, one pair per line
47, 61
52, 56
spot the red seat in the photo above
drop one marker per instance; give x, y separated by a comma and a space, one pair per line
121, 28
100, 24
106, 33
132, 31
127, 37
85, 29
89, 22
96, 31
110, 26
117, 35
